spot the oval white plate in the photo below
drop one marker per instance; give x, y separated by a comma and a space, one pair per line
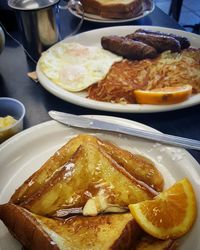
98, 19
24, 153
93, 38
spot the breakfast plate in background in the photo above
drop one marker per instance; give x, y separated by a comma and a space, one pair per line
35, 147
99, 19
93, 38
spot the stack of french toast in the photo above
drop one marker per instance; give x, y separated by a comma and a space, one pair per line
79, 199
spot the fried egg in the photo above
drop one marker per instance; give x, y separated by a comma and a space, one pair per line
75, 67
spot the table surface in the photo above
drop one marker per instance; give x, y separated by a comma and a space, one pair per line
14, 82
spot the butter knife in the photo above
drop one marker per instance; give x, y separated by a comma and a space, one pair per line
90, 123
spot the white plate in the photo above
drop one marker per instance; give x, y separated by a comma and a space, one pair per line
24, 153
98, 19
93, 38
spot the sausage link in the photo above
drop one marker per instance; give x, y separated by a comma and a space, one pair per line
128, 48
184, 42
160, 43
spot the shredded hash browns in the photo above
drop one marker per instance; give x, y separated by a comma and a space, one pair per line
169, 69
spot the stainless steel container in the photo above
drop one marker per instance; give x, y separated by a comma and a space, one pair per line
39, 24
2, 39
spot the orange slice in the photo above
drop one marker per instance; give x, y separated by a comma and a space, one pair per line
170, 214
166, 95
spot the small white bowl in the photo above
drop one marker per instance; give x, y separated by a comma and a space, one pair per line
14, 108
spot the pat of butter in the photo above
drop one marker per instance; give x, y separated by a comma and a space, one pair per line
6, 121
90, 208
95, 205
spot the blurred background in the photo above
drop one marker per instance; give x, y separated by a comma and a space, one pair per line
185, 12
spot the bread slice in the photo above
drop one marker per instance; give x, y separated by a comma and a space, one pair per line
47, 170
111, 231
116, 9
139, 167
25, 228
92, 181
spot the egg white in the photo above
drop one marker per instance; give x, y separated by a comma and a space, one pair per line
75, 67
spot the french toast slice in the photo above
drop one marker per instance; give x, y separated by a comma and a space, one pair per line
48, 169
139, 167
92, 181
113, 231
110, 231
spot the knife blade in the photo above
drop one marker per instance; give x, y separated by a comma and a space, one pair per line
90, 123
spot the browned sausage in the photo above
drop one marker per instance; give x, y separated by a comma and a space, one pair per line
160, 43
184, 42
128, 48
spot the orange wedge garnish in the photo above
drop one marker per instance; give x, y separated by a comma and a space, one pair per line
166, 95
170, 214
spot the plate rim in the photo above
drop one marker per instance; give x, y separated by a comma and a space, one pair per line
73, 98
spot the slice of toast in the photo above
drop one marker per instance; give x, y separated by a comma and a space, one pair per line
112, 231
138, 166
48, 169
116, 9
24, 227
91, 180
